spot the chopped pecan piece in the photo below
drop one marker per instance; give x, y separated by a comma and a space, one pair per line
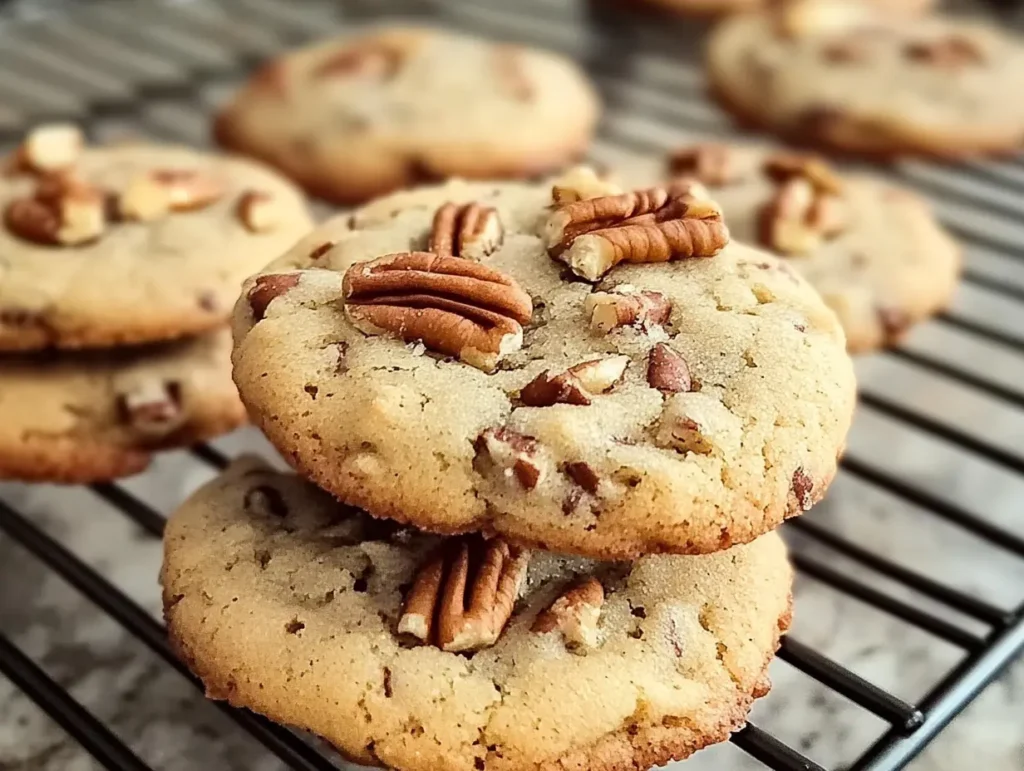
803, 489
462, 597
454, 306
469, 230
576, 385
584, 475
268, 287
259, 211
50, 149
152, 407
581, 183
950, 53
710, 163
653, 225
372, 59
514, 453
155, 194
63, 211
782, 167
575, 613
697, 423
667, 370
626, 306
797, 219
512, 79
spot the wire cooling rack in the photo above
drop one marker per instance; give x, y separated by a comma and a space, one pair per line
157, 69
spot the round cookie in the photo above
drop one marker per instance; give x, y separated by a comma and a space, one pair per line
131, 243
285, 602
674, 407
356, 117
94, 415
814, 71
722, 7
873, 250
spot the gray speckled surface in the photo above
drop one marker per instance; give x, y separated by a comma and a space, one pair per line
169, 724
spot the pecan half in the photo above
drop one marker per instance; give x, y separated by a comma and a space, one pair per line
950, 53
156, 193
267, 288
581, 183
797, 220
513, 453
153, 408
512, 78
259, 211
667, 370
782, 167
371, 59
710, 163
469, 230
454, 306
462, 597
576, 385
575, 613
645, 226
51, 148
63, 211
627, 306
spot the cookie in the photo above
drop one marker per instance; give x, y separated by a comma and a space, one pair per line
356, 117
872, 249
290, 604
722, 7
92, 415
133, 243
813, 72
679, 406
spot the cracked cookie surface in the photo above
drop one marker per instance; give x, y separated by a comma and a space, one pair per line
811, 71
136, 271
288, 603
85, 416
363, 115
702, 421
884, 266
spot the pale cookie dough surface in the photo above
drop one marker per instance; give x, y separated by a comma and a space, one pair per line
93, 415
140, 281
870, 83
286, 602
356, 117
890, 266
397, 430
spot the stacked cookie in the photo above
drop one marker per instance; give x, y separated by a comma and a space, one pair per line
571, 417
118, 268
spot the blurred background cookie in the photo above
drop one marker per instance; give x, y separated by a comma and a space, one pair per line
722, 7
855, 79
356, 117
132, 243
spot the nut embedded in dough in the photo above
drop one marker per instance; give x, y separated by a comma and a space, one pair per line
575, 613
626, 306
470, 230
51, 148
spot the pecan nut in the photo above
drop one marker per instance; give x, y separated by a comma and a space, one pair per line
575, 613
782, 167
454, 306
63, 211
259, 211
155, 194
50, 149
370, 59
152, 408
797, 220
462, 597
581, 183
470, 230
700, 424
667, 370
645, 226
627, 306
576, 385
267, 288
515, 455
710, 163
950, 53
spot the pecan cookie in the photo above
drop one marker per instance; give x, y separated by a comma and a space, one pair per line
873, 250
813, 70
721, 7
91, 415
356, 117
133, 243
607, 377
414, 652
